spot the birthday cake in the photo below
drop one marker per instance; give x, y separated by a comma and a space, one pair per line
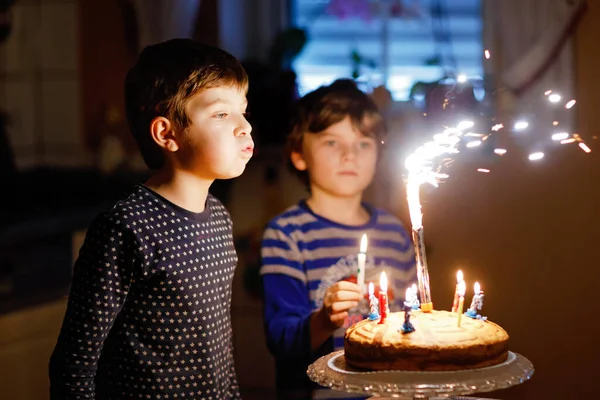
437, 343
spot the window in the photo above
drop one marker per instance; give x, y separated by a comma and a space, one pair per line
431, 39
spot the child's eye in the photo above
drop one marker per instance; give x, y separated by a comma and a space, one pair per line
330, 143
221, 115
365, 145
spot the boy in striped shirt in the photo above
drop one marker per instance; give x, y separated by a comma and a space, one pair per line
309, 252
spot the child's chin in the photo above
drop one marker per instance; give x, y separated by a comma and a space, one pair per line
234, 173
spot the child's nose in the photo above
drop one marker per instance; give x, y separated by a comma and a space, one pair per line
350, 152
244, 129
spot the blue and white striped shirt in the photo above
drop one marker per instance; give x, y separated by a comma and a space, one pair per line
302, 255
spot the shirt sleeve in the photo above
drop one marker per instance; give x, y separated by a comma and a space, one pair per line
101, 280
287, 307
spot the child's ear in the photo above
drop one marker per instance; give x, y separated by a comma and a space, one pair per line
298, 161
162, 133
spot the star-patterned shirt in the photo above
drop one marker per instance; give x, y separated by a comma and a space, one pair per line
148, 315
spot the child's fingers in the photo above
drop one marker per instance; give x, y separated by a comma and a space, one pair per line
346, 286
343, 295
339, 318
341, 306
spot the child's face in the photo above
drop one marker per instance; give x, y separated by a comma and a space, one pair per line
217, 143
340, 160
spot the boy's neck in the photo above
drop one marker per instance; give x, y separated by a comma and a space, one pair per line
180, 188
343, 210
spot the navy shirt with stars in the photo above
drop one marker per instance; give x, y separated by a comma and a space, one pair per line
148, 315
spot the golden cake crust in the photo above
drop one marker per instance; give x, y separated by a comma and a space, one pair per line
437, 344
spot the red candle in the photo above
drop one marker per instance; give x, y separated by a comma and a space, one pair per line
383, 298
459, 279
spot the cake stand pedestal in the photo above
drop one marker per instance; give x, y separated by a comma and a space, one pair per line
332, 371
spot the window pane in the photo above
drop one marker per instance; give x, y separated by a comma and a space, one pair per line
411, 45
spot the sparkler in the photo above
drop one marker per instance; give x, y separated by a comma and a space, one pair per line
426, 165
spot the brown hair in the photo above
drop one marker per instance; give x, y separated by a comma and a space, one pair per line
328, 105
164, 79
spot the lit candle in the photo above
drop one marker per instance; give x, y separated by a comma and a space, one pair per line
362, 258
411, 292
462, 288
459, 279
477, 302
383, 298
373, 303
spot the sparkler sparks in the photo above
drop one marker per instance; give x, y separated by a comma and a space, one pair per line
538, 155
428, 161
521, 125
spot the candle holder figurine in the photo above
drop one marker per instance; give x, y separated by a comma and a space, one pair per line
476, 303
407, 326
373, 304
414, 298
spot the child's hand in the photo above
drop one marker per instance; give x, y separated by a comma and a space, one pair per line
339, 298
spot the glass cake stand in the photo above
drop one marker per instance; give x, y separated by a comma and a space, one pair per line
332, 371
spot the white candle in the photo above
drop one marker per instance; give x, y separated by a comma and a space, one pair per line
362, 258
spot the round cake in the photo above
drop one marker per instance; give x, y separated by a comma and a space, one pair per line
437, 344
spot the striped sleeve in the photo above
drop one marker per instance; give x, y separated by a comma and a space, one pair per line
280, 254
287, 308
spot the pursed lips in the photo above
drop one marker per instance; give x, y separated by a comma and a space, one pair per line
348, 173
248, 150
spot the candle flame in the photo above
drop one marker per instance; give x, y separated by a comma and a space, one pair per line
487, 54
571, 140
484, 170
408, 294
462, 288
459, 276
547, 92
363, 243
474, 143
477, 288
462, 78
383, 282
584, 147
500, 152
570, 104
371, 289
497, 127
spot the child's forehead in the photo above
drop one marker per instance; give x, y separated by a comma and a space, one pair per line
344, 128
219, 94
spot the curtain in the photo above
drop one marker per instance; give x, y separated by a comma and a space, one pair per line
160, 20
532, 52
